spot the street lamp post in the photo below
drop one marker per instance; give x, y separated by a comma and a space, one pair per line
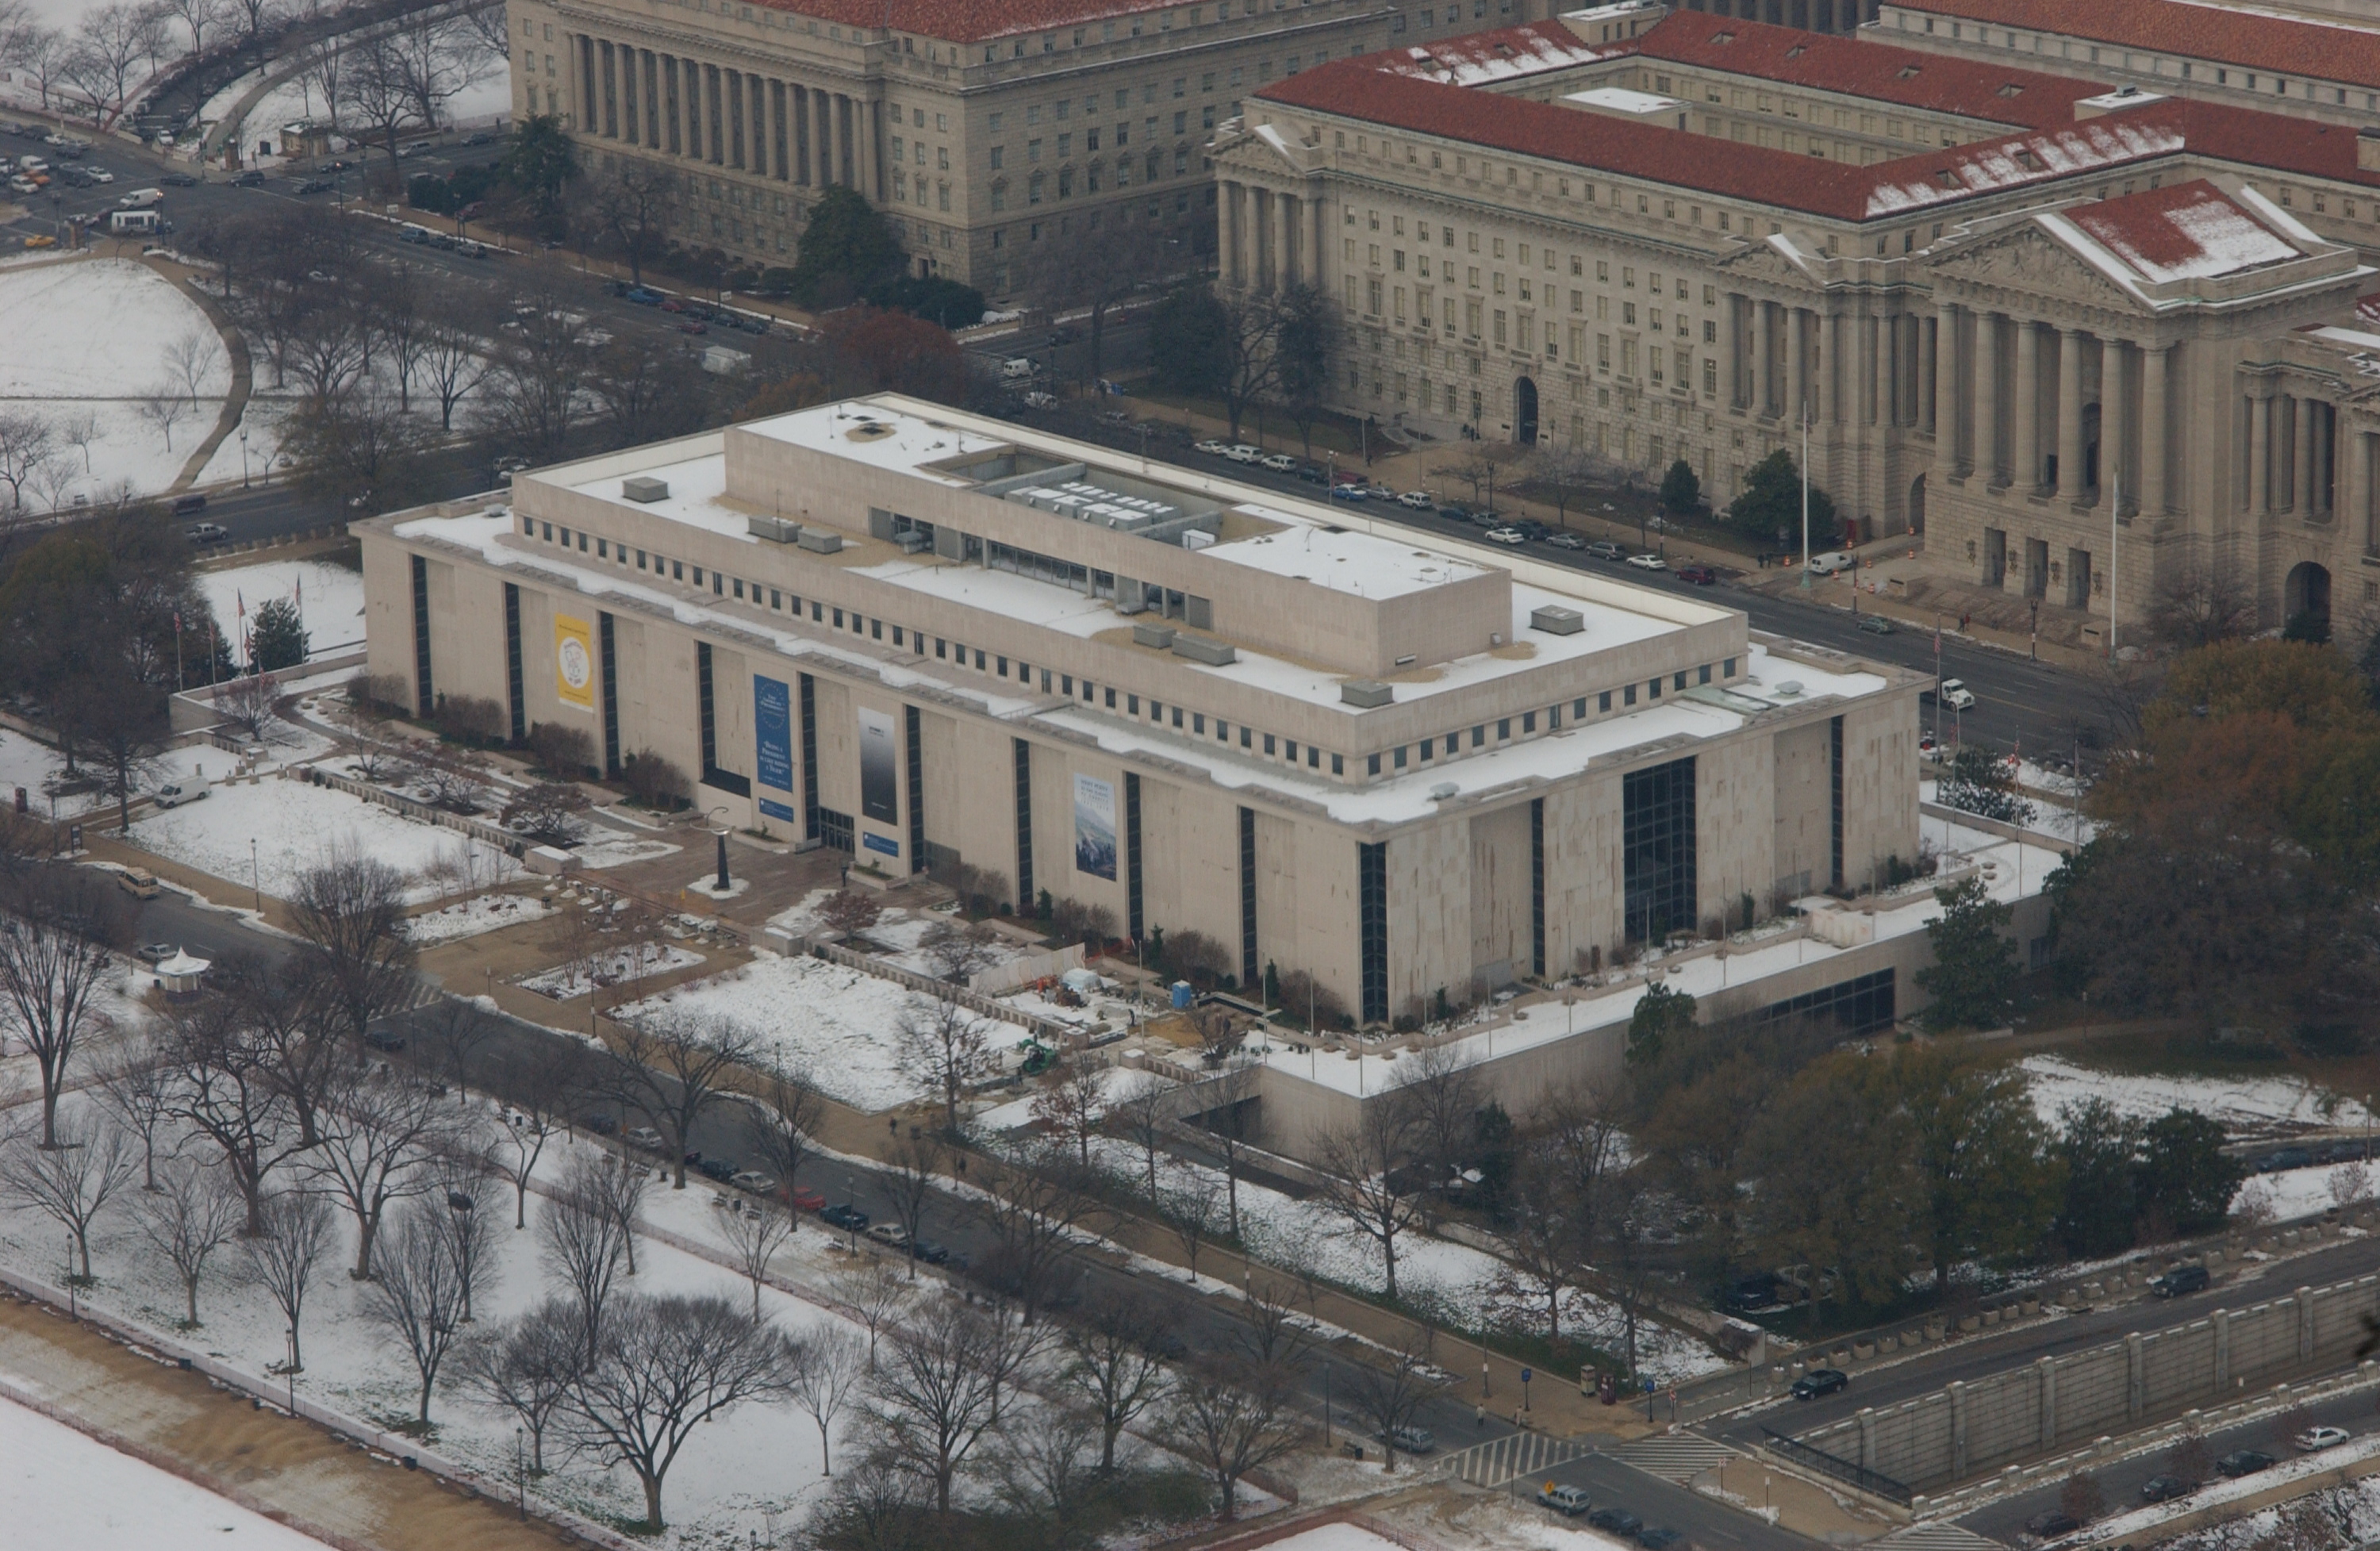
721, 833
243, 454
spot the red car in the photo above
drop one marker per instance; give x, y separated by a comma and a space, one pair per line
808, 1201
1700, 575
671, 304
694, 326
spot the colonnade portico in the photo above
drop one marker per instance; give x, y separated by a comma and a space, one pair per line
801, 133
1271, 239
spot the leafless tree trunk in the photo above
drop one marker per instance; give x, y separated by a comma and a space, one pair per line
70, 1183
668, 1068
827, 1379
1111, 1367
754, 1233
1033, 1211
935, 1393
876, 1294
1387, 1393
137, 1085
191, 1215
53, 963
527, 1369
1232, 1418
299, 1229
419, 1295
780, 1127
945, 1049
1070, 1104
584, 1241
349, 910
1369, 1178
539, 1082
378, 1134
912, 1178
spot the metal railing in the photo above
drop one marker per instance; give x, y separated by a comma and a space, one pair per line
1874, 1483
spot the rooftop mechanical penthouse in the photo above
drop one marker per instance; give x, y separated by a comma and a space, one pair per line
922, 637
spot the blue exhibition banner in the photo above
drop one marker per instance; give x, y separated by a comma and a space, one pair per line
775, 810
878, 842
773, 735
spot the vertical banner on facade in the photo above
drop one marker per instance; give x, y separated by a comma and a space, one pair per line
1095, 827
879, 760
772, 738
573, 662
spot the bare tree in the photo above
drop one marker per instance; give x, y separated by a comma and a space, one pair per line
2199, 602
1387, 1392
250, 20
56, 953
299, 1231
912, 1176
1226, 1098
527, 1368
583, 1240
668, 1067
1270, 1331
753, 1232
453, 362
197, 16
1193, 1206
250, 704
935, 1394
350, 913
451, 1032
378, 1134
1369, 1180
1111, 1363
959, 954
876, 1294
538, 1081
1042, 1470
1546, 1247
1231, 1418
1034, 1212
418, 1296
162, 406
137, 1085
71, 1182
662, 1367
781, 1126
461, 1175
1437, 1086
191, 1215
633, 207
110, 45
1072, 1103
28, 441
946, 1049
827, 1379
196, 353
1140, 1115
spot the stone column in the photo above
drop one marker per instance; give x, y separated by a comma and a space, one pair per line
1288, 228
1756, 349
2024, 407
2260, 452
2070, 414
2301, 456
2356, 493
1730, 359
1315, 254
1987, 399
871, 148
2135, 1374
653, 68
1797, 367
2326, 459
1869, 358
1227, 236
2155, 361
2046, 1368
582, 59
823, 138
2117, 474
1252, 234
1941, 374
1833, 359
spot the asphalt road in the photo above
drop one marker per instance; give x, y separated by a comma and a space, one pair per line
2121, 1480
1708, 1524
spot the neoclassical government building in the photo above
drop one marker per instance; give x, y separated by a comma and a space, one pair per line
2082, 334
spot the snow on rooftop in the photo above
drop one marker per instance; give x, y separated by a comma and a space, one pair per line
696, 488
869, 433
1621, 100
2189, 232
1365, 565
1507, 53
1985, 166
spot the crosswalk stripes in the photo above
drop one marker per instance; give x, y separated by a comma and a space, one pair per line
1674, 1457
1939, 1535
1498, 1460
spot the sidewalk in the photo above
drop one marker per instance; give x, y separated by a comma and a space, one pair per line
289, 1471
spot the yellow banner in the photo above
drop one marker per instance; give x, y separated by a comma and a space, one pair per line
573, 662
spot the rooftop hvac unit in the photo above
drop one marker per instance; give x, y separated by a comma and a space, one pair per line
644, 488
1555, 620
1368, 694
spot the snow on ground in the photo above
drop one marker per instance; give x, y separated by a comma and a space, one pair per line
294, 826
1336, 1537
58, 1488
263, 419
750, 1477
90, 337
331, 600
1116, 1085
24, 762
2289, 1194
2250, 1105
839, 1023
608, 968
603, 848
481, 913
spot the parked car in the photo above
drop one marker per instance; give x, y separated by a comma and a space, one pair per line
889, 1234
2315, 1439
1874, 625
172, 180
484, 136
2180, 1280
138, 882
2243, 1461
598, 1123
1697, 576
313, 185
206, 533
1279, 463
252, 178
1658, 1537
1819, 1381
1604, 548
1240, 452
694, 326
1648, 561
645, 1137
1420, 501
1314, 473
2285, 1158
1616, 1520
1507, 535
1566, 541
1569, 1501
804, 1199
383, 1041
157, 952
2163, 1489
1955, 693
929, 1252
844, 1214
753, 1180
2052, 1524
174, 794
189, 505
721, 1169
1409, 1440
1211, 447
1347, 493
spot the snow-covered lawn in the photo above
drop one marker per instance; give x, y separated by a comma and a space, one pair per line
841, 1023
481, 913
293, 826
330, 599
24, 762
632, 962
2289, 1194
58, 1488
751, 1475
88, 339
2258, 1106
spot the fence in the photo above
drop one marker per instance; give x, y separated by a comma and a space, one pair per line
1048, 1029
1858, 1477
503, 840
1970, 1428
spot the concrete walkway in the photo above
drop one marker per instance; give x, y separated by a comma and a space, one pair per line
289, 1471
243, 369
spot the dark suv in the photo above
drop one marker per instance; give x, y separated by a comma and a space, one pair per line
1819, 1381
2181, 1280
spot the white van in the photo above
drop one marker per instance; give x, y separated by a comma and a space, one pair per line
126, 223
1017, 369
1828, 565
141, 199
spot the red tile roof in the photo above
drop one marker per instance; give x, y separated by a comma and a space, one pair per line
2254, 41
1373, 88
1504, 54
1934, 82
966, 21
2190, 231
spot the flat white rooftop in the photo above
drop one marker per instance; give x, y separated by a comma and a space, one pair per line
1621, 102
1364, 565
